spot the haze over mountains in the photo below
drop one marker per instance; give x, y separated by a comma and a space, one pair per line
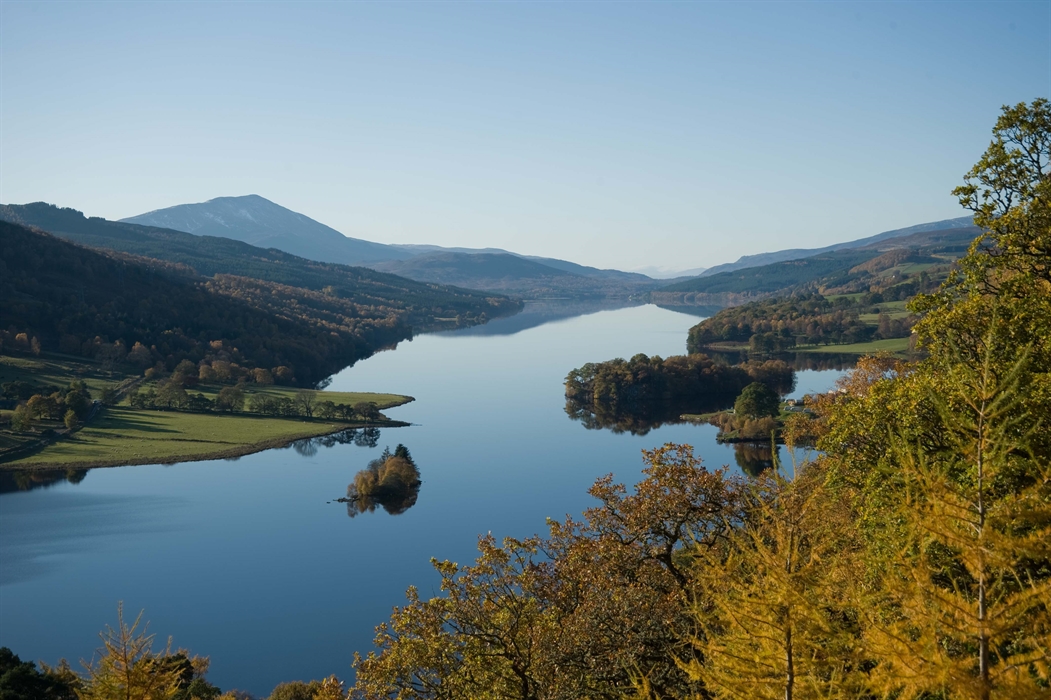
746, 261
259, 222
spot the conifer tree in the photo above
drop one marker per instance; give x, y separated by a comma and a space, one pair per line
963, 607
770, 606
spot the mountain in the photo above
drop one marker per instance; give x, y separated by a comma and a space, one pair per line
760, 259
846, 270
527, 277
564, 265
260, 222
415, 304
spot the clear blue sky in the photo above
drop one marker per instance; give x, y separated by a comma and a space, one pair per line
678, 134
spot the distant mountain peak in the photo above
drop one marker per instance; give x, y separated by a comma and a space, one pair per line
256, 220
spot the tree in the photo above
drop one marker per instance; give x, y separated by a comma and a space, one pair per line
757, 400
331, 689
367, 411
70, 419
295, 690
21, 419
964, 606
21, 680
772, 620
127, 668
305, 401
230, 398
572, 615
171, 394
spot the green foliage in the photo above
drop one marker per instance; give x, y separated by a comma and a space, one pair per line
644, 391
757, 400
295, 690
773, 325
22, 680
70, 419
230, 398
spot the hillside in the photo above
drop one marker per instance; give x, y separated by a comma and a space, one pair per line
842, 270
533, 278
414, 303
760, 259
260, 222
84, 302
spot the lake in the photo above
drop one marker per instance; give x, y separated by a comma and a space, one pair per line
251, 562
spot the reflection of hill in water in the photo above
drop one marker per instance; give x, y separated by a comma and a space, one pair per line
537, 313
690, 310
391, 482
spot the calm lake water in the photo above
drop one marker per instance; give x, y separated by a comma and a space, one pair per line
250, 562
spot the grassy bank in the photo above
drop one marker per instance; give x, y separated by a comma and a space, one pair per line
57, 370
122, 436
898, 346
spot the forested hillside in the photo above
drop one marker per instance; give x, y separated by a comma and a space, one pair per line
842, 270
66, 298
415, 303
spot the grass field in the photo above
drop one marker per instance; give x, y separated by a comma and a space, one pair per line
345, 397
124, 436
894, 345
57, 370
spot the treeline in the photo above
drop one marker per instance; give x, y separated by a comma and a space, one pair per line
72, 405
773, 325
642, 392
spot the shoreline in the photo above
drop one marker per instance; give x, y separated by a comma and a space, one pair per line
110, 432
239, 451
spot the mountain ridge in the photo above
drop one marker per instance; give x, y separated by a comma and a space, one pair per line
760, 259
260, 222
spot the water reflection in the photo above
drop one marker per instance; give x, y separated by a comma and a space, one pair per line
13, 481
599, 416
538, 313
360, 437
753, 457
391, 481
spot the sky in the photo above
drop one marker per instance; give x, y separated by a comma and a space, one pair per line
616, 134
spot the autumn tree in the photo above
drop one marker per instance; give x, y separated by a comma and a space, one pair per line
126, 667
772, 618
571, 615
964, 606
